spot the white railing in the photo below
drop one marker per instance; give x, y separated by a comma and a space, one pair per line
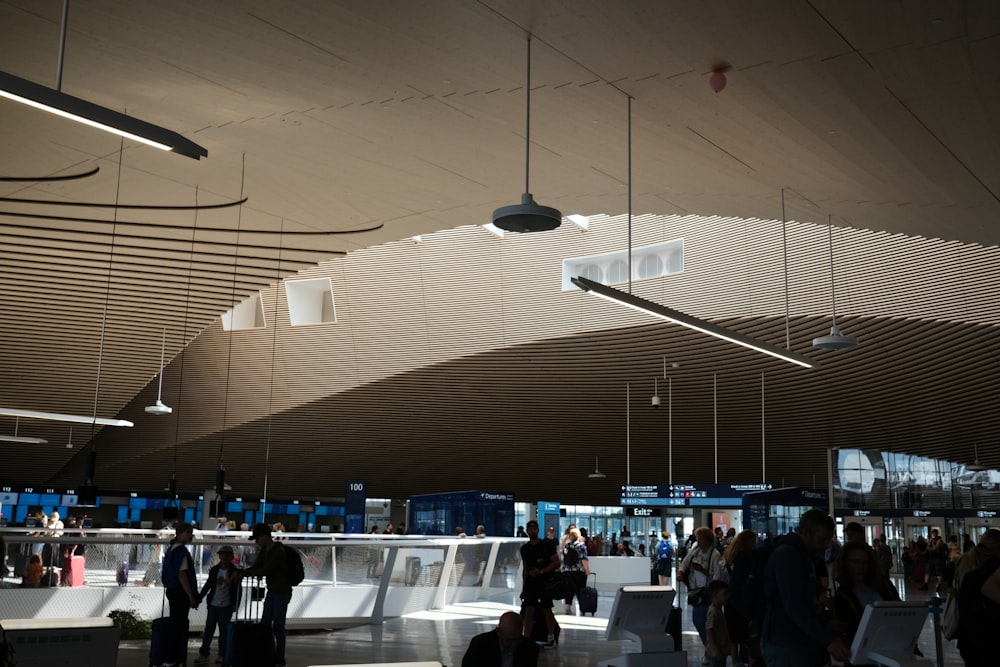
350, 579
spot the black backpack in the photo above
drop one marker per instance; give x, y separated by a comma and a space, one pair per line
746, 582
571, 557
293, 561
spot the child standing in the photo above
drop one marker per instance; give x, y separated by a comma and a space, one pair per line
716, 631
222, 591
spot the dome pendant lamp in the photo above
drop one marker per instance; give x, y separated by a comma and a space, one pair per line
836, 340
527, 216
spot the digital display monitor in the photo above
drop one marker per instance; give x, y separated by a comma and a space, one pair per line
641, 613
8, 498
888, 632
69, 500
88, 522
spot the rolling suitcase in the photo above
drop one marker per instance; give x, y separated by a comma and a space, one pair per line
73, 571
587, 598
121, 574
160, 637
674, 627
249, 643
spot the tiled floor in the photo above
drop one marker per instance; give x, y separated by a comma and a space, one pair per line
443, 636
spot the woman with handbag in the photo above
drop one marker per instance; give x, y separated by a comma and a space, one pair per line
697, 570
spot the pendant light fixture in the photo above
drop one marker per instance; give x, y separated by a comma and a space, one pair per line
24, 440
159, 408
527, 216
836, 340
689, 321
59, 103
597, 474
975, 466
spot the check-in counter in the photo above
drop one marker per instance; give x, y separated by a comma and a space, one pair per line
613, 572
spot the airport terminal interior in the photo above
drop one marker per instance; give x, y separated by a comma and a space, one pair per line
333, 264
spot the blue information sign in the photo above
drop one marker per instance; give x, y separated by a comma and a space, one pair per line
687, 495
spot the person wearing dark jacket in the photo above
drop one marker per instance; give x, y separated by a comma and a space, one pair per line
223, 593
181, 592
271, 565
793, 634
490, 648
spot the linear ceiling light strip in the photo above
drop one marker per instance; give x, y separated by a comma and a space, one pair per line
60, 417
689, 321
56, 102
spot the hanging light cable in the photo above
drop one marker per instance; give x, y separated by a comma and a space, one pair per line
629, 174
88, 490
172, 484
270, 396
220, 473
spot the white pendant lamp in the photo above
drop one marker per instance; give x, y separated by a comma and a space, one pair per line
836, 340
597, 474
527, 216
159, 408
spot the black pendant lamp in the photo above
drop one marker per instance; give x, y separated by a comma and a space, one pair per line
527, 216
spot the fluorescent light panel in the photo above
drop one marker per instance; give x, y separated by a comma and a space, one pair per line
59, 417
23, 440
689, 321
94, 115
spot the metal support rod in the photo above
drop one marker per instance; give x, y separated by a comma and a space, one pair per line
62, 45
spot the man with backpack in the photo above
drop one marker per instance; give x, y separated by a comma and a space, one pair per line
273, 564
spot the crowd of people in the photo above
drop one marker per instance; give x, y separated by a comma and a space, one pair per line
799, 601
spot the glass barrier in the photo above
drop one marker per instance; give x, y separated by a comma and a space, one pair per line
349, 579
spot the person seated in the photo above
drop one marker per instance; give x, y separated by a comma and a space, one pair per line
504, 645
33, 572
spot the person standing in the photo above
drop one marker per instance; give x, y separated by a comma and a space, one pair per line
539, 559
575, 566
979, 601
794, 634
937, 553
716, 628
859, 583
664, 559
697, 570
271, 565
181, 591
222, 593
883, 554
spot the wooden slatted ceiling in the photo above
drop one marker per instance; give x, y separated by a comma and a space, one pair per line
461, 348
335, 117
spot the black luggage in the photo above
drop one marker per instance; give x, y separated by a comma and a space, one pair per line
160, 638
674, 627
249, 643
540, 631
20, 563
121, 574
587, 596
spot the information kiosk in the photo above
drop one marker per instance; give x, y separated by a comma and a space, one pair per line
641, 613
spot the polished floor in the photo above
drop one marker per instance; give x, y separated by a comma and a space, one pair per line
443, 636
